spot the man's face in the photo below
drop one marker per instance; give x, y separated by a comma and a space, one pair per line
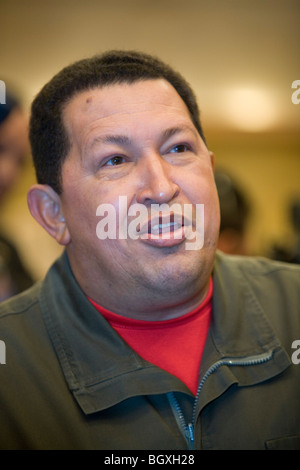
137, 141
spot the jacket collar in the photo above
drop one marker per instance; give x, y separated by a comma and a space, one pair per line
240, 334
240, 324
99, 367
102, 370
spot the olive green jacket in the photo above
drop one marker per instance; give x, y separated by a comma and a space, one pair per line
68, 381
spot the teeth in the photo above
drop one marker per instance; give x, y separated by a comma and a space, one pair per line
164, 228
160, 226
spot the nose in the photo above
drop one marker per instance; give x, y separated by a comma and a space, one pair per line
157, 183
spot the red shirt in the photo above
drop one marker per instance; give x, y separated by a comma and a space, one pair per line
174, 345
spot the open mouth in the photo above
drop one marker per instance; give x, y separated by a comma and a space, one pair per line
164, 224
163, 229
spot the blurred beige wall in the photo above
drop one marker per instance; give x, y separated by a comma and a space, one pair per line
220, 46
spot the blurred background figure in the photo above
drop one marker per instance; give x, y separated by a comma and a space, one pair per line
290, 252
235, 210
14, 149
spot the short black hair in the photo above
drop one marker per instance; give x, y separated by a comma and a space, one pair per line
48, 137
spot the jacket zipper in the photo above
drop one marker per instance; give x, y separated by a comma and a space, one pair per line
188, 429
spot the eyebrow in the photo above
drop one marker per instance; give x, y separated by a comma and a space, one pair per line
112, 139
170, 132
125, 140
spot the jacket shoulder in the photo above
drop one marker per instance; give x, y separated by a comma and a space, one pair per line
20, 303
272, 286
256, 264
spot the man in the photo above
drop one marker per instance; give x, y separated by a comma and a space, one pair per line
14, 149
235, 210
142, 336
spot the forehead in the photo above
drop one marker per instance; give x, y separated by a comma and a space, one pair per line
114, 103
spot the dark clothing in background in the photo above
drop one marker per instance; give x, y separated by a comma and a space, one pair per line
14, 278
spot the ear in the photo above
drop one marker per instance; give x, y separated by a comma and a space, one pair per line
45, 206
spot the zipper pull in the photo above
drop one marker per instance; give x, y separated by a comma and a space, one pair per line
190, 436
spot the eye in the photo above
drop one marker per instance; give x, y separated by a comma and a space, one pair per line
116, 160
180, 148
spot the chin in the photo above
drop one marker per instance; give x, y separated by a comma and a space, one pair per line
175, 278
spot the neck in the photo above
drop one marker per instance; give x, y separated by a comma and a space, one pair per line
169, 295
152, 307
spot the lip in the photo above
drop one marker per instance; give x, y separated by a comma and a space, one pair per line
163, 230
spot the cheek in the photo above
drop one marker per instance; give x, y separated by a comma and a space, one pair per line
91, 207
201, 189
199, 186
79, 211
212, 217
